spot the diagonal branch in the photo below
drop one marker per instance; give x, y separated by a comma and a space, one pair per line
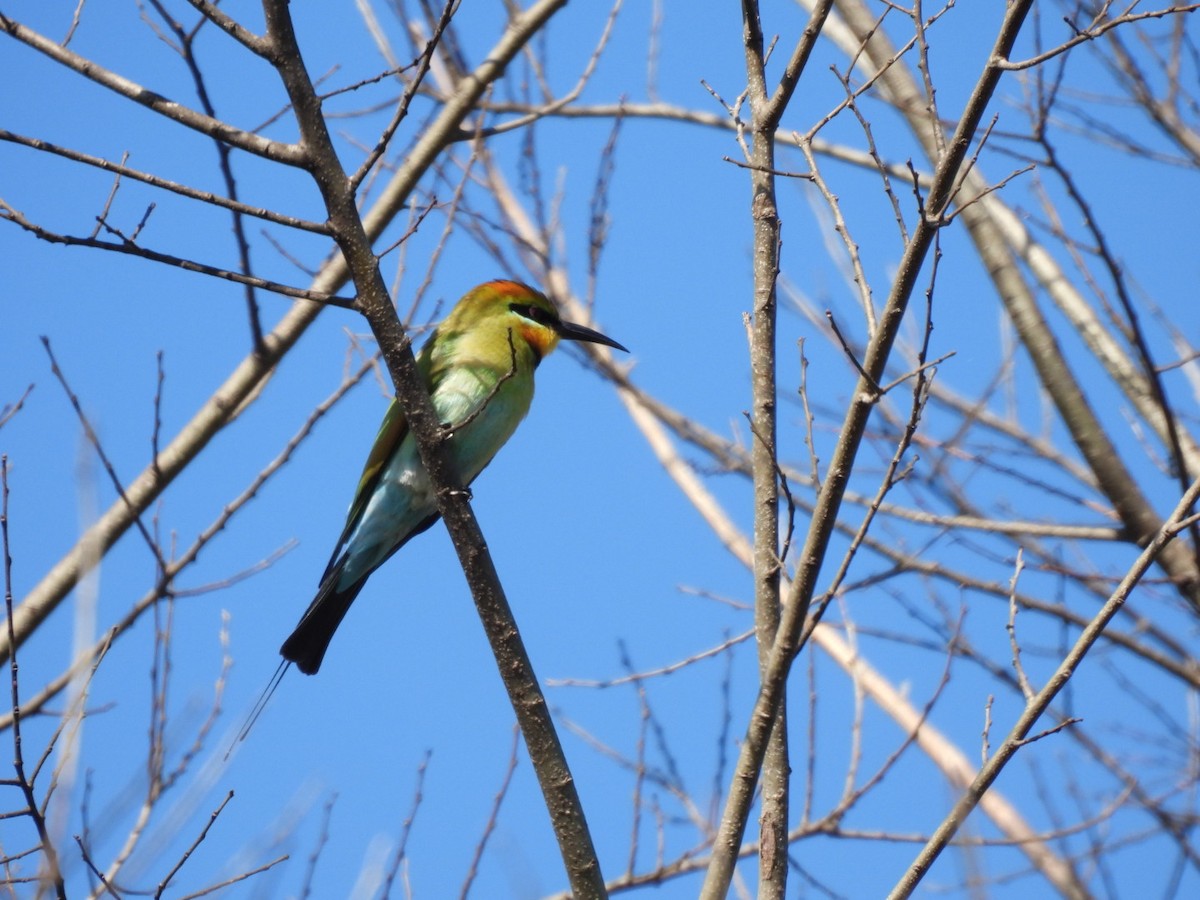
745, 780
1000, 239
516, 670
230, 26
128, 246
155, 181
245, 383
1039, 703
288, 154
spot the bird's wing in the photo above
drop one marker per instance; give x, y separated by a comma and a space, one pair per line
392, 433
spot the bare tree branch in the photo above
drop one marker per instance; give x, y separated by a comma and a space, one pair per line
1039, 703
733, 821
288, 154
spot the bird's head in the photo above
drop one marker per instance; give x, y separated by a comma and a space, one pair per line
504, 306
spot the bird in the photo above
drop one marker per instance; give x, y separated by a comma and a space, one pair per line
478, 367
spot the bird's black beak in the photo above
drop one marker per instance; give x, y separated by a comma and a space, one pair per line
569, 331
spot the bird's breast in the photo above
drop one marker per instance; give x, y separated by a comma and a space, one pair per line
482, 407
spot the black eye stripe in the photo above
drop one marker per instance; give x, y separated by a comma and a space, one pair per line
533, 313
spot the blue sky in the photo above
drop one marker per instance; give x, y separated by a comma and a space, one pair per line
597, 549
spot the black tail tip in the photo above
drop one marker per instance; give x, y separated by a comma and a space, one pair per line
307, 662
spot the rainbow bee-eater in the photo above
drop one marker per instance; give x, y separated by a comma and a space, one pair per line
478, 367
